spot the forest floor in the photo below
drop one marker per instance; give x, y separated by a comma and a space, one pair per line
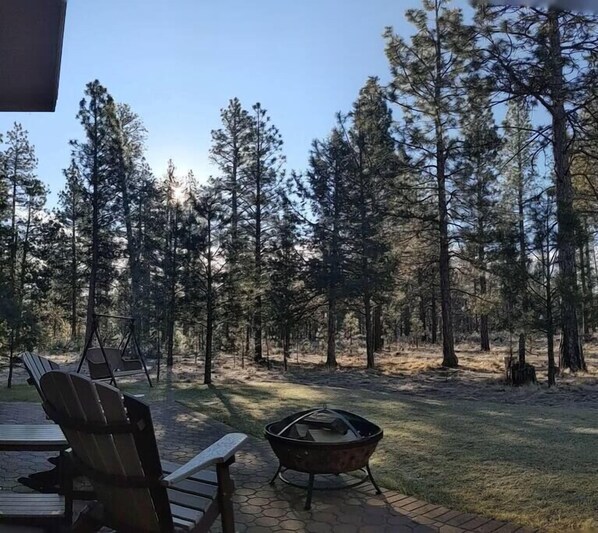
416, 371
458, 438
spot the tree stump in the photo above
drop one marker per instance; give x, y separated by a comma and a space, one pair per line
517, 374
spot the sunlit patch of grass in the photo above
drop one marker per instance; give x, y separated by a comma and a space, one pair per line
532, 465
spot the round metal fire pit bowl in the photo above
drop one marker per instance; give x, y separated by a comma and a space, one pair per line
323, 441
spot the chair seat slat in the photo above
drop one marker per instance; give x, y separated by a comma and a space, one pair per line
182, 525
14, 505
196, 487
191, 515
192, 501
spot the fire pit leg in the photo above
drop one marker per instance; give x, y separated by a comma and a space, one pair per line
276, 475
378, 491
310, 488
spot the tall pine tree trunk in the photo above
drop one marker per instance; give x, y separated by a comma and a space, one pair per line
331, 329
74, 278
334, 277
234, 307
484, 329
571, 353
14, 240
257, 309
449, 358
172, 289
22, 278
365, 264
434, 318
378, 339
95, 249
584, 286
286, 343
422, 305
522, 262
369, 340
549, 317
484, 319
132, 252
590, 284
207, 379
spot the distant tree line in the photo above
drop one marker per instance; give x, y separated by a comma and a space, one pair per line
419, 216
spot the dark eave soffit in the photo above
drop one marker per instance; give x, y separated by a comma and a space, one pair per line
31, 33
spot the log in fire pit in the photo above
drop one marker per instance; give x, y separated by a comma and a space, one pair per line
323, 441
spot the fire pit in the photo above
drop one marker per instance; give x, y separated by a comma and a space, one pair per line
323, 441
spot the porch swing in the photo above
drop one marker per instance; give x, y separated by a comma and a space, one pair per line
106, 364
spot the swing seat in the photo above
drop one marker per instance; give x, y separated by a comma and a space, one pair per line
121, 367
130, 363
110, 363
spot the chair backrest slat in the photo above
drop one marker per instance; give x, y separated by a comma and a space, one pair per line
112, 454
36, 367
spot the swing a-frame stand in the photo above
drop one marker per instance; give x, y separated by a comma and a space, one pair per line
106, 364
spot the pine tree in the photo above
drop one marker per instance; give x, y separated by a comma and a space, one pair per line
427, 85
477, 198
209, 208
229, 151
23, 188
259, 184
4, 246
33, 215
173, 193
518, 155
585, 179
128, 149
94, 158
150, 224
67, 264
542, 290
325, 188
288, 296
373, 168
542, 53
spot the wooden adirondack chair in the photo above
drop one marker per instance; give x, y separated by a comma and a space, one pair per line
114, 444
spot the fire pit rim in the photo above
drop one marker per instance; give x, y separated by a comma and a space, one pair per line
376, 436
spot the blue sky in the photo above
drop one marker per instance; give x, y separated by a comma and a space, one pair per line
177, 62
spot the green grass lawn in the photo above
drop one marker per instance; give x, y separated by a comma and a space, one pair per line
532, 465
20, 392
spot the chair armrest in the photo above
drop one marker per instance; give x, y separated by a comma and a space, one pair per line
219, 452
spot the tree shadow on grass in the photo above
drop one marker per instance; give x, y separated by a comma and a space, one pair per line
480, 457
472, 455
